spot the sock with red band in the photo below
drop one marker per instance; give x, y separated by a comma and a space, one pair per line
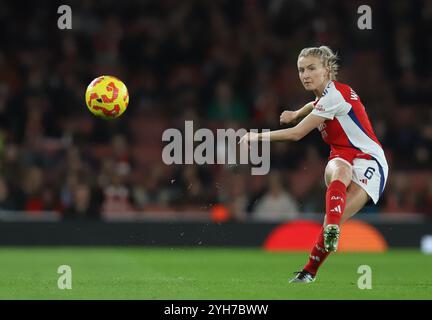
317, 255
335, 202
335, 206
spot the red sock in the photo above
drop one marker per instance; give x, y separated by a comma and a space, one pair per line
317, 255
335, 202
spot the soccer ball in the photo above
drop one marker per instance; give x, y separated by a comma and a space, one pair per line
107, 97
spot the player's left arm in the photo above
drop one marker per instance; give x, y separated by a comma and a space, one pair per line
310, 122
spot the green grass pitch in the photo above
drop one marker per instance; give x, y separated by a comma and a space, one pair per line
206, 273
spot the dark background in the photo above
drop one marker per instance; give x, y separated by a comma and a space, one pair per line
223, 64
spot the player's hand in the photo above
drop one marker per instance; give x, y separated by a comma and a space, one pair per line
288, 117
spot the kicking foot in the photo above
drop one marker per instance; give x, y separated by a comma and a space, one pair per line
331, 237
302, 277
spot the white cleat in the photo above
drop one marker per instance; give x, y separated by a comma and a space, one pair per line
302, 277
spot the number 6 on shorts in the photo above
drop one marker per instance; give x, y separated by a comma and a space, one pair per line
369, 172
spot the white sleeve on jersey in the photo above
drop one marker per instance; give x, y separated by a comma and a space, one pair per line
332, 104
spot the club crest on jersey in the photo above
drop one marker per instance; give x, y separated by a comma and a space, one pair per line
319, 107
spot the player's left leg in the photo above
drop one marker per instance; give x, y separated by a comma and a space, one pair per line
356, 200
338, 176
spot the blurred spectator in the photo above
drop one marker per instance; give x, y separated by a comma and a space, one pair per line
276, 204
32, 186
226, 106
84, 204
6, 202
219, 63
233, 193
121, 154
67, 190
117, 199
190, 188
50, 200
151, 191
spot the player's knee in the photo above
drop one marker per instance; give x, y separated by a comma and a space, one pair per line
342, 173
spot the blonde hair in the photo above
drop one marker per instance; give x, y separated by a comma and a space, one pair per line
326, 55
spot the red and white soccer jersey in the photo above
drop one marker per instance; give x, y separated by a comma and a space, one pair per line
350, 135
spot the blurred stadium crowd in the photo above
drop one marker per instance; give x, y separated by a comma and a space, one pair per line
221, 63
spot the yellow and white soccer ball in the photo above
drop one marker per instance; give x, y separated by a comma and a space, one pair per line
107, 97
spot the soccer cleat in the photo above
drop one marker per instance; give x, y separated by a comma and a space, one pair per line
331, 237
302, 277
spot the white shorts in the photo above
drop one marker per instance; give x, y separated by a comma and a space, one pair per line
370, 175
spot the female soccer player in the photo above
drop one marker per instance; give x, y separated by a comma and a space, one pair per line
356, 154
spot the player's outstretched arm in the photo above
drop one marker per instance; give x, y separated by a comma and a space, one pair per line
294, 117
296, 133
